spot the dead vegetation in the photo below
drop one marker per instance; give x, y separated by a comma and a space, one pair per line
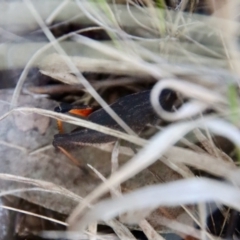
179, 178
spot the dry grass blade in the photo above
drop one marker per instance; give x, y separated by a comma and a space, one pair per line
121, 231
228, 11
67, 78
193, 54
115, 166
55, 66
169, 194
34, 214
48, 186
41, 150
13, 146
79, 122
183, 229
56, 63
114, 158
93, 230
34, 58
149, 231
79, 88
19, 190
211, 148
78, 236
73, 68
195, 91
57, 10
151, 152
116, 54
201, 161
203, 218
207, 98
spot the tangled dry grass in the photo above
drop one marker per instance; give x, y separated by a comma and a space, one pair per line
171, 47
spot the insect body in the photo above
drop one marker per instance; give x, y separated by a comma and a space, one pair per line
135, 110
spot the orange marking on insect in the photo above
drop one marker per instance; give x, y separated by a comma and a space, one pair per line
60, 126
81, 112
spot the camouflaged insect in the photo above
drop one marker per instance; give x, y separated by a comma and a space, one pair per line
135, 110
